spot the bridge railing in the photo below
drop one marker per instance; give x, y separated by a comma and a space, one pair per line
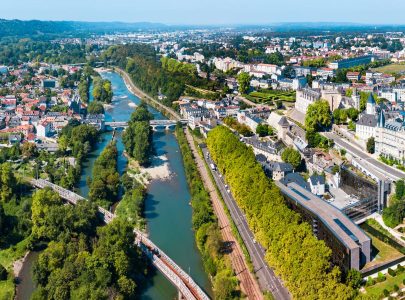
179, 270
179, 278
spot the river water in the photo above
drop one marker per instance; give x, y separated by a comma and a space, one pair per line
167, 208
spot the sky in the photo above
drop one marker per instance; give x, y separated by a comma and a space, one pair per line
207, 12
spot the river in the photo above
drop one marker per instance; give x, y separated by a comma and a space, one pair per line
167, 208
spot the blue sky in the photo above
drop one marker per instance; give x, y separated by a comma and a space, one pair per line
208, 11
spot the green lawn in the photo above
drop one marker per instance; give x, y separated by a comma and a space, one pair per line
392, 68
382, 252
9, 255
6, 290
267, 96
377, 289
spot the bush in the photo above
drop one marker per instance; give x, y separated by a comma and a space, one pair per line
386, 293
392, 272
381, 277
396, 288
400, 269
371, 281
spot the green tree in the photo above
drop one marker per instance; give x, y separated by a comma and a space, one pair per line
399, 189
371, 145
354, 278
244, 82
318, 116
262, 130
292, 156
95, 108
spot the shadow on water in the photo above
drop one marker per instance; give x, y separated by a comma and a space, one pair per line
150, 207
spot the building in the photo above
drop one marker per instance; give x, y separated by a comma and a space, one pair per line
351, 62
249, 120
43, 129
317, 185
390, 138
304, 98
277, 170
351, 247
353, 76
367, 123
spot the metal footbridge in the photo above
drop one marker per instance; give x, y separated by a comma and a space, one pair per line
186, 286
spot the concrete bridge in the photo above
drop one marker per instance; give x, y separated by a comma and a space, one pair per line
155, 124
186, 286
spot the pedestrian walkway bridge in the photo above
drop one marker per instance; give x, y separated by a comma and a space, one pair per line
186, 286
167, 124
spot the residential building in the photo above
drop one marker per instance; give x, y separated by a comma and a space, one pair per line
367, 123
317, 184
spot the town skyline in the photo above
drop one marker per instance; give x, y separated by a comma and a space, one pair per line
182, 12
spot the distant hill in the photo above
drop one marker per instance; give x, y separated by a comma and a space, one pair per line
18, 28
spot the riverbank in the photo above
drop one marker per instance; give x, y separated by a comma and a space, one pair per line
239, 260
167, 111
210, 241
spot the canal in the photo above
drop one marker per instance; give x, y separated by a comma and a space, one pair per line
167, 208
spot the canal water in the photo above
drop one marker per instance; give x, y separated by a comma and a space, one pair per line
167, 208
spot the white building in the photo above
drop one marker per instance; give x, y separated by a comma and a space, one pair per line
43, 129
317, 185
305, 98
367, 123
390, 138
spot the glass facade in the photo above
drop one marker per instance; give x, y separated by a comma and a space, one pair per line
361, 188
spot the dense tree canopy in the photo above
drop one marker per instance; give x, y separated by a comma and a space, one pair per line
244, 82
318, 116
292, 156
102, 90
137, 138
95, 107
82, 262
302, 261
105, 181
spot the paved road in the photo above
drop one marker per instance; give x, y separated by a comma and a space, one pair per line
267, 279
248, 282
392, 173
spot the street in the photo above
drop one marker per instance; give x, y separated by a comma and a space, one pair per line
388, 171
267, 279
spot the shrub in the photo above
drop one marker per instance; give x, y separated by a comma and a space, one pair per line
400, 269
371, 281
381, 277
396, 288
386, 293
392, 272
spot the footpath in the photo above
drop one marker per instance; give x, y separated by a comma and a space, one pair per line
248, 283
141, 94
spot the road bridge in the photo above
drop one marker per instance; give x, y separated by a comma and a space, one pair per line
155, 124
186, 286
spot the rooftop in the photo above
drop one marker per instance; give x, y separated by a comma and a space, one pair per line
345, 230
